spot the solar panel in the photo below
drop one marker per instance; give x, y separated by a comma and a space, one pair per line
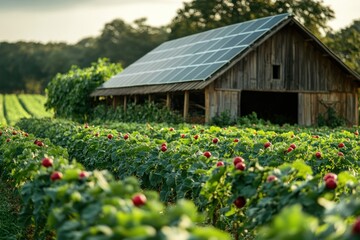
196, 57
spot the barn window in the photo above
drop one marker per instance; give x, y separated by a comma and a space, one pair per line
276, 72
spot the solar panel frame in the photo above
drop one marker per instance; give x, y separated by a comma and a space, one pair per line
195, 57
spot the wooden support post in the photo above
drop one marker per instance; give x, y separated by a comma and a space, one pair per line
150, 98
168, 100
125, 99
207, 105
186, 104
135, 99
115, 101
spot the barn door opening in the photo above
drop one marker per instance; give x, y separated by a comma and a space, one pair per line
277, 107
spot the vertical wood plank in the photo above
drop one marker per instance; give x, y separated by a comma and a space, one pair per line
207, 104
186, 104
168, 100
125, 100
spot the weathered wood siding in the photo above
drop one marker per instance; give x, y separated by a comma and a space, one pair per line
304, 68
311, 105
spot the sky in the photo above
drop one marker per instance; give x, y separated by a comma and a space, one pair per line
72, 20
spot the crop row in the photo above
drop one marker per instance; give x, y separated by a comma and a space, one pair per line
61, 200
14, 107
241, 178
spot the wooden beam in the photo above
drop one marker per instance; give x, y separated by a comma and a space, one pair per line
150, 98
186, 104
207, 105
135, 99
168, 100
125, 100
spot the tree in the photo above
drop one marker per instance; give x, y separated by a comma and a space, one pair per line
69, 93
346, 44
125, 43
200, 15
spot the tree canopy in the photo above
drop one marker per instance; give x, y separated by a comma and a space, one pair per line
346, 44
200, 15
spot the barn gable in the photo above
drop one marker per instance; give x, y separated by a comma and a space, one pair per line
237, 68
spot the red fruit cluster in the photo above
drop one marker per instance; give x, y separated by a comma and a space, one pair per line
8, 140
182, 135
318, 154
171, 129
14, 132
109, 136
271, 178
267, 144
196, 137
215, 140
126, 136
330, 181
83, 174
356, 227
207, 154
139, 200
236, 140
220, 164
39, 143
56, 176
163, 147
240, 202
341, 145
47, 162
340, 154
239, 163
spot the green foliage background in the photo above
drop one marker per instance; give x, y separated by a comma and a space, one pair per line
69, 93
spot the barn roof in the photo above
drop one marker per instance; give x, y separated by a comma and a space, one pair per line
188, 62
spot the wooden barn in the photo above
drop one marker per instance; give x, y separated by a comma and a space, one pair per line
272, 66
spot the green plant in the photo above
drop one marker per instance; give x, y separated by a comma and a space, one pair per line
330, 119
69, 93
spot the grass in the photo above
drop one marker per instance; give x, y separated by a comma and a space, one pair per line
9, 207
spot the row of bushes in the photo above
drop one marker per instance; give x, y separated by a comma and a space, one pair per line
197, 163
61, 200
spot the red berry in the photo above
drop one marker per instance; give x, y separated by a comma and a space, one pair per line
340, 154
8, 140
163, 144
356, 227
182, 135
315, 136
171, 129
196, 137
86, 125
271, 178
289, 149
26, 134
109, 136
330, 176
341, 145
47, 162
330, 183
236, 140
207, 154
293, 146
139, 199
126, 136
215, 140
267, 144
40, 143
240, 202
56, 176
356, 132
1, 133
14, 132
163, 148
318, 154
83, 174
96, 134
238, 159
220, 164
240, 166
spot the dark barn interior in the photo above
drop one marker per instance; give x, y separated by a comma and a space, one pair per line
277, 107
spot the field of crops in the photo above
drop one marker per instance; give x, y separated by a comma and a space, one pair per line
252, 183
14, 107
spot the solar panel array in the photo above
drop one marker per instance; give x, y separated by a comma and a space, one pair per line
196, 57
